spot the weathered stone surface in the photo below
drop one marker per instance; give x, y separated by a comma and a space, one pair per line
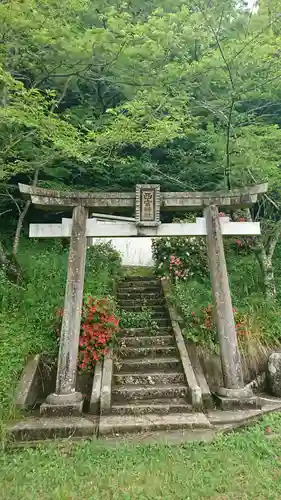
149, 378
157, 406
32, 429
230, 356
105, 398
147, 364
274, 374
207, 398
138, 296
195, 390
243, 393
141, 332
156, 340
28, 388
156, 309
135, 392
96, 390
61, 409
68, 353
141, 302
122, 424
232, 417
152, 351
236, 403
47, 198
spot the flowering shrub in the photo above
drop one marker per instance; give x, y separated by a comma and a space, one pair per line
180, 257
200, 327
98, 327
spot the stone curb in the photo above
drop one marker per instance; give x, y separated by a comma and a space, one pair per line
105, 395
96, 389
28, 385
195, 390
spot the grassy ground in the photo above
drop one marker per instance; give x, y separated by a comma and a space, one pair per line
244, 466
28, 312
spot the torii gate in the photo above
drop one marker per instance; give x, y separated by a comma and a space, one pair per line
147, 201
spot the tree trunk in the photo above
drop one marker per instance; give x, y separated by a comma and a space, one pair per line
10, 267
22, 217
265, 262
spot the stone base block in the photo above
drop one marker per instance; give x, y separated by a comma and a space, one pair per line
62, 410
232, 403
242, 393
37, 429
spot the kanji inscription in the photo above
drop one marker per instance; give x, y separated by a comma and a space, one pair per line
148, 205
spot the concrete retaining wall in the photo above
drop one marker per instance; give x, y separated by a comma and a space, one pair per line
134, 251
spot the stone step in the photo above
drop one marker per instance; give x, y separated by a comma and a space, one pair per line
147, 365
149, 379
142, 332
155, 309
161, 322
142, 392
152, 351
39, 428
139, 289
115, 424
156, 406
141, 279
127, 295
142, 302
155, 340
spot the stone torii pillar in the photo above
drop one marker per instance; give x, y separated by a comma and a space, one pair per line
66, 399
146, 201
223, 310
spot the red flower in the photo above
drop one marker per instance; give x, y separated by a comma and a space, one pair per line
238, 242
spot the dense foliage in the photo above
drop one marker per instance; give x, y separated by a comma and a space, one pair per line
28, 311
180, 257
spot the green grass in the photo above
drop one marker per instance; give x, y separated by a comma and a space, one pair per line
28, 312
239, 466
247, 297
139, 271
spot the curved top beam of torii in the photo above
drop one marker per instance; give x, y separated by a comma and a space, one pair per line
49, 199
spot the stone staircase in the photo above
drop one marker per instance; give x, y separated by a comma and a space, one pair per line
149, 390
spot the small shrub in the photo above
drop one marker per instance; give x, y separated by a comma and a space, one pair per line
99, 324
180, 257
200, 326
98, 327
103, 269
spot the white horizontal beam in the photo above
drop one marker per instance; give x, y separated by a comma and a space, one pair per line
129, 229
118, 218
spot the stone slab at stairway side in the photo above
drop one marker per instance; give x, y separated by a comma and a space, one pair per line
29, 384
106, 383
96, 389
196, 393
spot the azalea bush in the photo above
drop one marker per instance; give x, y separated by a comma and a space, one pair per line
180, 257
200, 326
99, 324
